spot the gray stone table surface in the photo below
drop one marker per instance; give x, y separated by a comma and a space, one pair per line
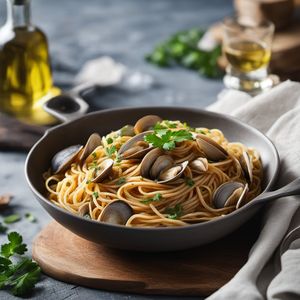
125, 30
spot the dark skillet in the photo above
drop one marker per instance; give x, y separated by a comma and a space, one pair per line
145, 239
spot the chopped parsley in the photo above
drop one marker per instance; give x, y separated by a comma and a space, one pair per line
88, 181
167, 139
155, 198
94, 165
174, 212
110, 150
3, 228
189, 181
121, 181
94, 154
110, 140
96, 194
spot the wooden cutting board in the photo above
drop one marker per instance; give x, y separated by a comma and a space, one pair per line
201, 271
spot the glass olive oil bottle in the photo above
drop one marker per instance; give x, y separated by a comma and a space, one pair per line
25, 73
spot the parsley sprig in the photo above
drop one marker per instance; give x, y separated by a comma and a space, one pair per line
167, 139
19, 277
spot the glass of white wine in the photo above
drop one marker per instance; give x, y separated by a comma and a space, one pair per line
247, 48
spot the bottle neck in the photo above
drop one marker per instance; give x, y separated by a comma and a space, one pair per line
18, 13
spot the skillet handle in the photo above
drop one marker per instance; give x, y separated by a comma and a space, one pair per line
68, 106
292, 188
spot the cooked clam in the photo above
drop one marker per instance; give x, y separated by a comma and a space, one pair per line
229, 194
246, 165
64, 158
161, 167
117, 212
172, 173
211, 149
199, 165
148, 161
135, 147
126, 130
161, 164
103, 170
146, 123
93, 142
83, 209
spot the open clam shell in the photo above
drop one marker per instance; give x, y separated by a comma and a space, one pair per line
148, 161
103, 170
63, 159
93, 142
199, 165
117, 212
246, 166
135, 147
173, 173
146, 123
212, 150
230, 193
84, 209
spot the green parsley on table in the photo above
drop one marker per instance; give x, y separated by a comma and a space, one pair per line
155, 198
174, 212
181, 49
30, 217
167, 139
3, 228
12, 218
21, 276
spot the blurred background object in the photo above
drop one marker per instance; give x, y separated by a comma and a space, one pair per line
247, 47
25, 72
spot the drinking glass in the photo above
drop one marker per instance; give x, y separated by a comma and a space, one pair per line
247, 47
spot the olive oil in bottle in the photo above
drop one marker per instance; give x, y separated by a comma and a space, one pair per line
247, 56
25, 73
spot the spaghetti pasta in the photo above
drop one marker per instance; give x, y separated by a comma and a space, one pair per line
186, 199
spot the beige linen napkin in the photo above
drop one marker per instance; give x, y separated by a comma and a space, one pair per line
266, 275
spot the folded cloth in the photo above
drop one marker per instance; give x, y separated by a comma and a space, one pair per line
269, 274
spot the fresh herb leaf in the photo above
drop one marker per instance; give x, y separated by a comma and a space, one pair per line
174, 212
110, 140
170, 124
182, 49
94, 154
23, 284
167, 139
88, 182
110, 150
3, 228
96, 194
121, 181
155, 198
12, 218
22, 276
15, 245
30, 217
189, 181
